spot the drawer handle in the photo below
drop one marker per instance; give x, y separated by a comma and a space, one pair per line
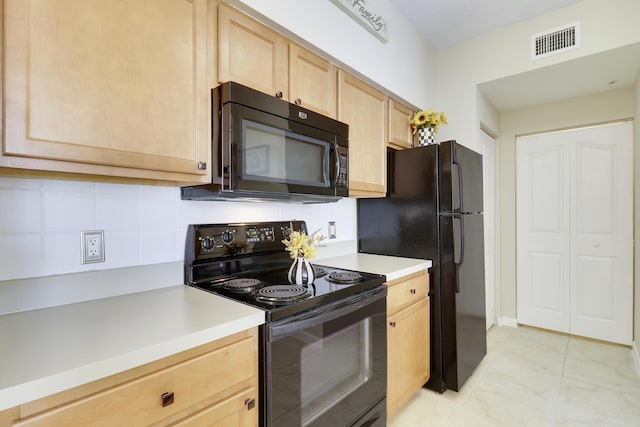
393, 324
279, 94
167, 399
250, 404
413, 291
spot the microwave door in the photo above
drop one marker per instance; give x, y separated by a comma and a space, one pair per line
272, 154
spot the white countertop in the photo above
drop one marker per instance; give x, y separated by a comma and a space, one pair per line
52, 349
64, 331
392, 267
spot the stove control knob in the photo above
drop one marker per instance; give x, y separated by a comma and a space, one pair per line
207, 243
227, 236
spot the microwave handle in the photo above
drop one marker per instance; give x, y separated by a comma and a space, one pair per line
337, 166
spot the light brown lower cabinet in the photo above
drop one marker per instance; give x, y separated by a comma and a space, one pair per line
408, 354
214, 384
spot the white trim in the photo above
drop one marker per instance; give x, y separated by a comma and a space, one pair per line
636, 356
508, 321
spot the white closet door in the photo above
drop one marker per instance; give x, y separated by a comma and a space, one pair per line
543, 231
575, 231
602, 231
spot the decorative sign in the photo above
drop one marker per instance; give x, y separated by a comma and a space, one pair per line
364, 15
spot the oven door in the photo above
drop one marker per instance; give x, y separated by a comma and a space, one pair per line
327, 367
265, 153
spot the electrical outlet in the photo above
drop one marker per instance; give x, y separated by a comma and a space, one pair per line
92, 246
332, 229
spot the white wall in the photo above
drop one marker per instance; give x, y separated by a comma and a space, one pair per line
636, 158
503, 53
506, 52
405, 65
41, 220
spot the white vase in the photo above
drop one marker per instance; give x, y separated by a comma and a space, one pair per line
301, 272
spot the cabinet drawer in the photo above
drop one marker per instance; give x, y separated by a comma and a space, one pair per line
139, 402
407, 290
235, 411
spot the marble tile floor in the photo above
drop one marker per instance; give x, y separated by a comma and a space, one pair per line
536, 378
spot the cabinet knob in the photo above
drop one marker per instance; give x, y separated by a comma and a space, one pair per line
202, 166
167, 398
250, 404
279, 94
392, 324
413, 291
298, 101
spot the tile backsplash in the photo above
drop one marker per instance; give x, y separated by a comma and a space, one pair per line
41, 221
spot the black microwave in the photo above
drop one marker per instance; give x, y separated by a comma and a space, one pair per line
265, 148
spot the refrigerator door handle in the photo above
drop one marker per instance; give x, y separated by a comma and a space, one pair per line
459, 176
460, 251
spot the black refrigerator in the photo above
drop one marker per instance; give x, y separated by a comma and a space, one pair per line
433, 210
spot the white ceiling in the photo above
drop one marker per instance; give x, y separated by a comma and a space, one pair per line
445, 23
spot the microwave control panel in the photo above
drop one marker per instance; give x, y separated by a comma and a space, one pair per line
342, 180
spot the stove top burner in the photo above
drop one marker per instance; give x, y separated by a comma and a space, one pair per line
242, 284
319, 271
281, 294
344, 277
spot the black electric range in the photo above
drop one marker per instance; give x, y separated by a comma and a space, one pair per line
247, 262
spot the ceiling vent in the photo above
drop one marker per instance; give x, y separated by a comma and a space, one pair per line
554, 41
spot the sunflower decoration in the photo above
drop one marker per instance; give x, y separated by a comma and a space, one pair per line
427, 118
300, 244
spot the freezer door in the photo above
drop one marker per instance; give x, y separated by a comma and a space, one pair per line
460, 180
405, 223
463, 296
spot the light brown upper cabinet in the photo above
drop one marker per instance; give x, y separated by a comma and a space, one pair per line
312, 81
114, 88
399, 130
254, 55
251, 54
364, 109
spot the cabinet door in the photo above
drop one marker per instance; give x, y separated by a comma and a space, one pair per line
312, 81
407, 354
108, 88
399, 129
364, 109
250, 53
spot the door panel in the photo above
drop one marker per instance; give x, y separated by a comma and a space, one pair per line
543, 250
463, 290
602, 233
574, 201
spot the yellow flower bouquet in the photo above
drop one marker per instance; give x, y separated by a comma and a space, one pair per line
299, 244
427, 118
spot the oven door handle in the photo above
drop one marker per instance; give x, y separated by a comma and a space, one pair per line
330, 312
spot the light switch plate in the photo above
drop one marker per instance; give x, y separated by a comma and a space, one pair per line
92, 246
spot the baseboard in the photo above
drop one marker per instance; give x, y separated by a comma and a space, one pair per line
636, 356
508, 321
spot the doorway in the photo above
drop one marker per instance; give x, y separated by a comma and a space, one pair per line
575, 231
